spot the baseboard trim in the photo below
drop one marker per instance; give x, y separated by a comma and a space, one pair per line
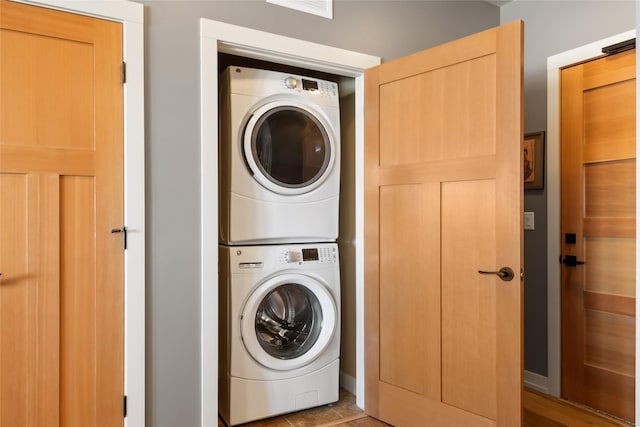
348, 383
536, 382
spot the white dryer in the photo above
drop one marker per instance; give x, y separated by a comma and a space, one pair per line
279, 329
279, 157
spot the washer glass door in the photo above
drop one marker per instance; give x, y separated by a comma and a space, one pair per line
288, 321
288, 147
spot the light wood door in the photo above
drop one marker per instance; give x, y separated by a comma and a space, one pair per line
443, 200
598, 141
61, 193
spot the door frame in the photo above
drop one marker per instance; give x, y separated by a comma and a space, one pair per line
554, 65
219, 37
131, 15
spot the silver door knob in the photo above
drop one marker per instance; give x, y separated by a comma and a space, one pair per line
505, 273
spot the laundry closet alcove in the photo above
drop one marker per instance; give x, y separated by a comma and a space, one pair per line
217, 37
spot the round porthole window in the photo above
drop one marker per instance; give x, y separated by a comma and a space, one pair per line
288, 321
288, 148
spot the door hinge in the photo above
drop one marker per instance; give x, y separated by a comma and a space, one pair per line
122, 230
123, 72
124, 406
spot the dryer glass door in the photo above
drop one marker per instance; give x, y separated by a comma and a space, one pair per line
288, 321
288, 148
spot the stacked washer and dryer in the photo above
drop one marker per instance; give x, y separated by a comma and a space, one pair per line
279, 269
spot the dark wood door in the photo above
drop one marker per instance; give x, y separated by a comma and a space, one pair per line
598, 140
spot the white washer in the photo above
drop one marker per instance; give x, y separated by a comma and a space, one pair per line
279, 158
279, 329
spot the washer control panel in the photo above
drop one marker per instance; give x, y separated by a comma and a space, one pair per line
273, 258
311, 254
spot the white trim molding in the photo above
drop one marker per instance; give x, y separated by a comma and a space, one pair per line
217, 37
536, 382
131, 15
554, 65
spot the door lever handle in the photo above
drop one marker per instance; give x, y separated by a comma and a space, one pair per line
122, 230
505, 273
571, 261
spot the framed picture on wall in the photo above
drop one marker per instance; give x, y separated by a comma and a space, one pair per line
533, 152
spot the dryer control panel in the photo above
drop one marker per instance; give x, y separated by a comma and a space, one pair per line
264, 83
321, 87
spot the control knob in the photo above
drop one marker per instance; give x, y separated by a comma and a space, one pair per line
291, 82
293, 256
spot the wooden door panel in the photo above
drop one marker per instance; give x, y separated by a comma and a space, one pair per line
614, 272
412, 410
608, 128
609, 189
409, 260
469, 299
28, 324
47, 84
598, 212
443, 199
44, 273
78, 301
61, 172
610, 341
464, 93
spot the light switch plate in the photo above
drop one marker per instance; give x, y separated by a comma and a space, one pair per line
529, 221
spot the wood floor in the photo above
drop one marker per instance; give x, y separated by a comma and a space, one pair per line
539, 411
545, 411
343, 413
